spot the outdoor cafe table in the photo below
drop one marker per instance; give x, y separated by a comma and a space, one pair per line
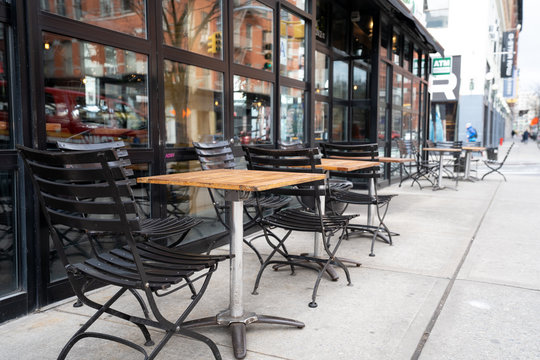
468, 152
441, 151
237, 184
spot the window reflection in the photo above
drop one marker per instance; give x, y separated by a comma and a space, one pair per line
94, 93
322, 68
339, 123
321, 116
193, 25
360, 82
339, 26
292, 115
193, 104
396, 48
126, 16
9, 280
298, 3
253, 34
341, 80
252, 111
362, 33
293, 46
6, 141
360, 121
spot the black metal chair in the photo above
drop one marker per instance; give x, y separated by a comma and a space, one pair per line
302, 219
454, 163
495, 166
90, 191
426, 168
361, 152
173, 228
219, 155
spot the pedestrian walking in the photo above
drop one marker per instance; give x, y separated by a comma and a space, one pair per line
472, 135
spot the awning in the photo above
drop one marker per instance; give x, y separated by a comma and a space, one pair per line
403, 12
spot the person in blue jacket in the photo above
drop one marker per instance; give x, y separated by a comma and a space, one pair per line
472, 135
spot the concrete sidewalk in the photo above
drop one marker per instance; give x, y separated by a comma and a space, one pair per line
462, 281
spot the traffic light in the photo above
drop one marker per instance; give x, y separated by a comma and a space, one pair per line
214, 43
267, 56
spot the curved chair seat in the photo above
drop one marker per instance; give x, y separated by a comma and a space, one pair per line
300, 219
361, 199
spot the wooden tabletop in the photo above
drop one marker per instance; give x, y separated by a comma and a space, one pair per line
442, 149
346, 164
232, 179
383, 159
473, 148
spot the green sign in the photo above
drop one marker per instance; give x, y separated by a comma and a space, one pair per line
441, 66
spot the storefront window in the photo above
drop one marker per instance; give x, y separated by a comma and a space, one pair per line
384, 42
397, 90
128, 17
339, 123
322, 68
252, 111
360, 121
193, 25
360, 82
407, 55
91, 95
396, 48
415, 64
321, 30
383, 102
341, 80
9, 281
339, 26
292, 50
301, 4
292, 115
253, 34
407, 92
193, 104
362, 36
321, 116
6, 137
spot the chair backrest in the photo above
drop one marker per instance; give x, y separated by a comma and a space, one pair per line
215, 155
293, 160
84, 190
291, 145
360, 152
507, 153
366, 152
450, 144
405, 148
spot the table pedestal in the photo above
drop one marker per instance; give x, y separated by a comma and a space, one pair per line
235, 317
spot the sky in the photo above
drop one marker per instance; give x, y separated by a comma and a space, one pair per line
529, 47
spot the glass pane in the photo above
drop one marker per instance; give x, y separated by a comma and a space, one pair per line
362, 28
193, 104
193, 25
381, 126
341, 80
9, 277
292, 115
339, 27
360, 121
407, 92
415, 96
126, 16
292, 47
396, 48
321, 31
396, 124
397, 90
6, 137
339, 123
94, 93
253, 34
322, 71
406, 54
384, 41
360, 82
252, 111
301, 4
383, 84
415, 66
322, 115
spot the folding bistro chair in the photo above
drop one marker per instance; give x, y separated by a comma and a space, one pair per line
219, 155
495, 166
425, 167
310, 220
361, 152
90, 191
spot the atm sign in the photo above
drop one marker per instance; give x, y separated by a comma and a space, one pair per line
441, 66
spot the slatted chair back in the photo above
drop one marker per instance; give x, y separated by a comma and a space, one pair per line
216, 155
293, 160
86, 190
290, 145
361, 152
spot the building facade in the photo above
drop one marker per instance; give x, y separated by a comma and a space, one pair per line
487, 46
162, 74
